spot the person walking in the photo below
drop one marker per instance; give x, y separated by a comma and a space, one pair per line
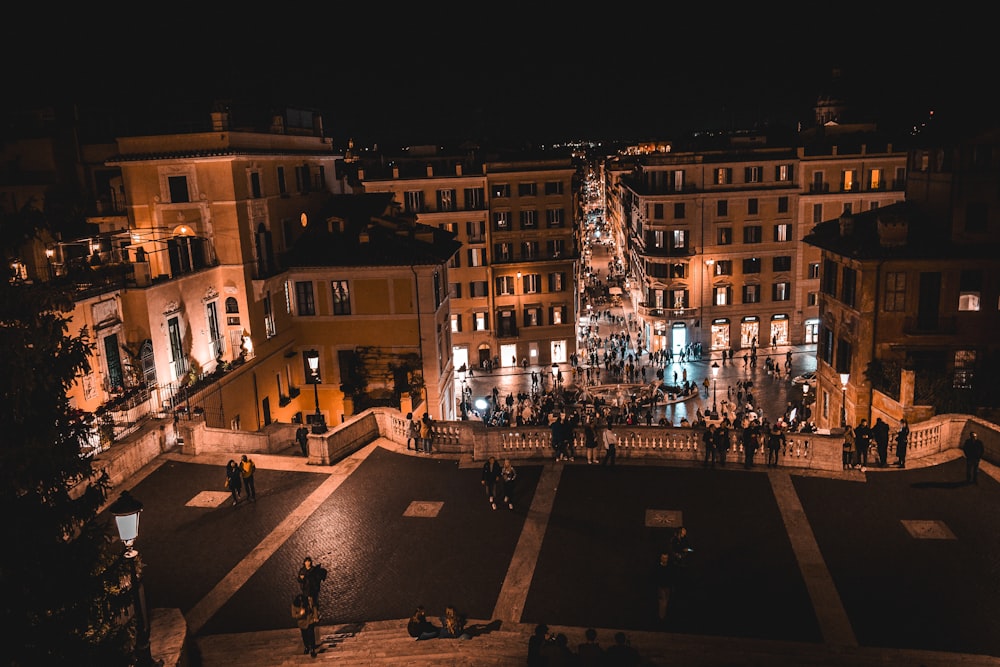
664, 579
610, 442
425, 433
490, 475
247, 470
973, 450
880, 434
234, 481
302, 437
508, 477
902, 440
310, 578
306, 616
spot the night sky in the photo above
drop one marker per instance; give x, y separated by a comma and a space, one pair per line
379, 73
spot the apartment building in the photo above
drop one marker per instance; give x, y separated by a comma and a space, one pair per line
511, 287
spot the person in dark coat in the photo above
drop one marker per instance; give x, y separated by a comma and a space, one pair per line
721, 440
862, 441
973, 450
310, 577
880, 434
234, 480
491, 473
902, 441
306, 616
751, 440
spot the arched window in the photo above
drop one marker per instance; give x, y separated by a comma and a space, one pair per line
231, 305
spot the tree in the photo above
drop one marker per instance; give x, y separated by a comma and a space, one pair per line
60, 574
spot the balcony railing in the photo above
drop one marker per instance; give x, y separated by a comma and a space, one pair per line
678, 313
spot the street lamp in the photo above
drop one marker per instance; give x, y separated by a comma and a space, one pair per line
715, 388
844, 378
312, 358
126, 511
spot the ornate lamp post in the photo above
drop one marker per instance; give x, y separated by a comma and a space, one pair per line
126, 511
715, 388
844, 379
312, 358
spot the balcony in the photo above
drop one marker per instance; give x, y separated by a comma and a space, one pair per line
667, 313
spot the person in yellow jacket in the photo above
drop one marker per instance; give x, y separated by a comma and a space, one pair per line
247, 469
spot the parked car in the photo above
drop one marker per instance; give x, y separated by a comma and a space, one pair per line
806, 378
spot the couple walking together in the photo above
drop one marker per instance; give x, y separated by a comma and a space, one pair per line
497, 478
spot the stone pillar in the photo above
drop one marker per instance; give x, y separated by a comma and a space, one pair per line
907, 380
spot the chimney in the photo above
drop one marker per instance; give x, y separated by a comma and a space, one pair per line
458, 168
361, 174
892, 232
430, 170
220, 121
395, 172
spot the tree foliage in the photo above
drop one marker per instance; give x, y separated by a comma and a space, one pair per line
61, 578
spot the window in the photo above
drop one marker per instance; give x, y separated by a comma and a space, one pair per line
454, 290
753, 174
783, 232
723, 176
556, 247
751, 294
781, 263
875, 179
304, 304
554, 217
969, 286
976, 217
478, 288
783, 172
477, 256
557, 282
752, 234
782, 204
532, 316
678, 180
753, 206
678, 238
679, 211
847, 286
438, 290
751, 265
282, 187
413, 201
341, 291
532, 283
965, 364
529, 250
817, 213
269, 330
255, 192
214, 335
812, 299
474, 199
843, 359
288, 297
302, 183
501, 220
679, 298
900, 181
456, 323
722, 208
553, 187
657, 211
505, 285
178, 360
527, 189
826, 345
446, 200
476, 231
480, 321
500, 190
232, 306
724, 267
503, 252
529, 219
781, 291
557, 315
178, 188
456, 261
848, 180
828, 283
813, 270
659, 239
723, 295
817, 184
724, 236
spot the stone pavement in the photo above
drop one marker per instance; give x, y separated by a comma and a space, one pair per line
892, 567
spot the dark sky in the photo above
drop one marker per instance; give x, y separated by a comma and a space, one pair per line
381, 73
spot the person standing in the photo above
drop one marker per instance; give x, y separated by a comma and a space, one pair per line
664, 578
902, 440
558, 428
862, 441
425, 433
590, 653
247, 470
610, 441
491, 473
708, 439
973, 450
310, 577
590, 440
302, 437
412, 432
234, 481
508, 477
880, 434
306, 616
775, 441
750, 443
721, 441
849, 447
